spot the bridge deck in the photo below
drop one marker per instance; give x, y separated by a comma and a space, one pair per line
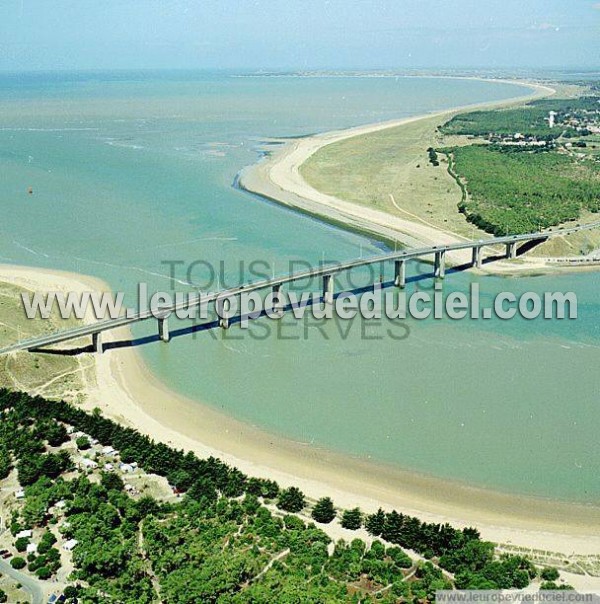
104, 325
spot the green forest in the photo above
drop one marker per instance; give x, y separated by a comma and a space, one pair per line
527, 176
512, 192
529, 120
229, 539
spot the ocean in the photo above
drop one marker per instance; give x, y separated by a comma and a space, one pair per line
133, 173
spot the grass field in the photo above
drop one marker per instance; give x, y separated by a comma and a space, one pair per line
390, 171
54, 376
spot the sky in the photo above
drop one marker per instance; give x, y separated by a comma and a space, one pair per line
298, 34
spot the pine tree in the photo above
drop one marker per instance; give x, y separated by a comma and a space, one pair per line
352, 519
324, 512
291, 500
375, 523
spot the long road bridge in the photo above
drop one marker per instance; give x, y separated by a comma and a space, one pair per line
326, 273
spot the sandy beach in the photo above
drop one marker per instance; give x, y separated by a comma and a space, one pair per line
278, 178
125, 390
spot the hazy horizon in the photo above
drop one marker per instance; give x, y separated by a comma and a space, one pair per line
80, 35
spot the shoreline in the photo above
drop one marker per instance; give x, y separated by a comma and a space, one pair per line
277, 178
127, 392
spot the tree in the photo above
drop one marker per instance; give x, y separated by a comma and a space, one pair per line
21, 544
375, 523
46, 542
82, 443
262, 487
352, 519
5, 462
549, 574
111, 481
323, 512
43, 573
3, 596
18, 563
70, 592
34, 512
291, 500
55, 433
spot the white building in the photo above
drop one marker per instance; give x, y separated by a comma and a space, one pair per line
89, 463
31, 548
69, 545
24, 534
552, 118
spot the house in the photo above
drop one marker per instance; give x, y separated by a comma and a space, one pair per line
31, 548
108, 451
127, 468
109, 467
20, 494
27, 534
89, 463
69, 545
60, 505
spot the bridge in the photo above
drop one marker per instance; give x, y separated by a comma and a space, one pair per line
325, 273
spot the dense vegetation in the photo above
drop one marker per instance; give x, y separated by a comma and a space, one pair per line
221, 542
529, 120
518, 192
530, 176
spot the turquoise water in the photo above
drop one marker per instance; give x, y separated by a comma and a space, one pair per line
132, 170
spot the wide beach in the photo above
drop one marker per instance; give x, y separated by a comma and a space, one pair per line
125, 391
278, 177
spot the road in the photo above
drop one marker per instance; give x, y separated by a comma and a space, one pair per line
32, 586
321, 271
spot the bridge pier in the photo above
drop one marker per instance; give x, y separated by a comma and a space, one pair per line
439, 268
511, 250
222, 308
97, 342
477, 256
163, 329
277, 307
400, 273
328, 289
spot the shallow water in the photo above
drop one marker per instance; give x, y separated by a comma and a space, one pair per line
132, 170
